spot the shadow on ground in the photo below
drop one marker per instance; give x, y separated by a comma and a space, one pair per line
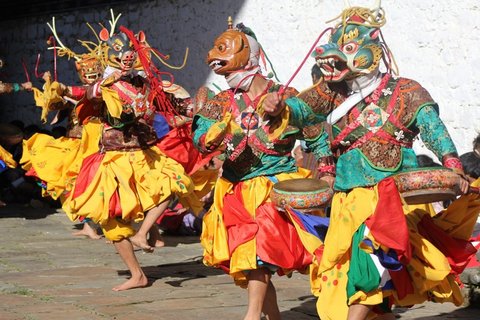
185, 271
18, 210
307, 309
174, 241
464, 313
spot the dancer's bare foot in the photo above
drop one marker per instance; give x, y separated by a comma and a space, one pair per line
88, 231
140, 242
154, 238
157, 243
2, 204
132, 283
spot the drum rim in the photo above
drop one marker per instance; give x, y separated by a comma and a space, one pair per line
441, 194
323, 186
420, 169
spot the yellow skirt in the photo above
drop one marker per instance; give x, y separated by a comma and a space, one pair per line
242, 230
57, 161
125, 184
429, 270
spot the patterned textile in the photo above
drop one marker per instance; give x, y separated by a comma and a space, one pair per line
243, 230
255, 145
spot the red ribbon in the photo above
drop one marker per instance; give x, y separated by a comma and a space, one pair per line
303, 62
52, 39
25, 70
36, 67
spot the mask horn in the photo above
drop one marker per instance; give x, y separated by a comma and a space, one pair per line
113, 22
53, 28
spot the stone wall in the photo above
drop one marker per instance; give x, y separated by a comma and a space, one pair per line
435, 42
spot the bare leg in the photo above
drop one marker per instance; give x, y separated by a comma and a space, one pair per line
88, 231
358, 312
155, 238
260, 295
270, 306
140, 238
138, 278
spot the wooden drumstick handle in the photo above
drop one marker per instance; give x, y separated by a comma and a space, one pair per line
474, 190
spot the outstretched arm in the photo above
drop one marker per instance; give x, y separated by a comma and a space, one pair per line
437, 139
15, 87
316, 137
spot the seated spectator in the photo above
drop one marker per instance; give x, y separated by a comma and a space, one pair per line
30, 130
18, 123
471, 165
425, 161
180, 222
14, 185
471, 161
58, 132
476, 146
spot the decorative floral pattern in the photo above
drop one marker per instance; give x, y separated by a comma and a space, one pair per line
427, 185
301, 194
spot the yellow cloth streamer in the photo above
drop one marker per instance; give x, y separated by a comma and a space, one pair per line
7, 157
50, 98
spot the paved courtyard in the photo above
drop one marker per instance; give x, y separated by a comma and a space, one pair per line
46, 273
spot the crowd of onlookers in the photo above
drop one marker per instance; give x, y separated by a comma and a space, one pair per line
15, 186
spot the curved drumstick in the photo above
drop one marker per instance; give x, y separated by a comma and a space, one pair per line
280, 92
25, 70
50, 40
38, 75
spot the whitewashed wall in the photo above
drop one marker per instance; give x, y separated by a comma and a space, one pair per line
436, 42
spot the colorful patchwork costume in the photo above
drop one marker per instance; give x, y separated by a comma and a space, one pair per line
243, 230
378, 250
129, 175
56, 162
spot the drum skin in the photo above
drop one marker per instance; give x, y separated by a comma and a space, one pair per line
303, 194
426, 185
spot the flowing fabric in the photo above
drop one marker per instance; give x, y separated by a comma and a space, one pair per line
127, 184
372, 252
56, 162
7, 157
178, 145
238, 233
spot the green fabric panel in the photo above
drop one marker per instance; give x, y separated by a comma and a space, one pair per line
354, 170
301, 115
269, 165
200, 127
319, 146
433, 132
362, 275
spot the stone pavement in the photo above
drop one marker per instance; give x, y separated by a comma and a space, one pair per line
46, 273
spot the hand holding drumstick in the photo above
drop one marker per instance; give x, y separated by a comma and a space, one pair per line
273, 104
